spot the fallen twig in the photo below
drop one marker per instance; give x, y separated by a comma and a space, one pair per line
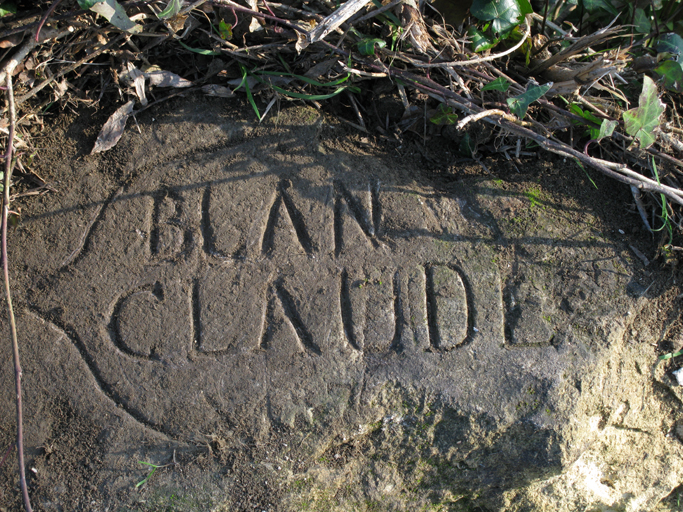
29, 45
69, 69
10, 310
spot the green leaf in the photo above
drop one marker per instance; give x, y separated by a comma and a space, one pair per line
606, 128
367, 46
113, 12
525, 7
334, 83
642, 22
592, 132
587, 115
499, 84
7, 8
172, 9
480, 41
466, 146
673, 75
87, 4
519, 104
387, 16
641, 122
225, 30
444, 115
600, 5
670, 43
504, 15
198, 50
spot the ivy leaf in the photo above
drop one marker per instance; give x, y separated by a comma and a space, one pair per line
113, 12
519, 104
504, 15
607, 128
673, 75
6, 9
172, 9
444, 115
592, 132
641, 122
480, 41
642, 22
499, 84
670, 43
225, 30
367, 46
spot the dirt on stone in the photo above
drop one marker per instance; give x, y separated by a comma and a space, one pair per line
397, 446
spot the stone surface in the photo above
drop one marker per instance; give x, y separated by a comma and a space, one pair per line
362, 338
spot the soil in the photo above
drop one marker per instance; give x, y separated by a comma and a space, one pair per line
90, 421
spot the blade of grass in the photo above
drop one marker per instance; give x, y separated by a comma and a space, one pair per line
250, 97
305, 78
665, 213
670, 355
586, 172
149, 475
198, 50
310, 97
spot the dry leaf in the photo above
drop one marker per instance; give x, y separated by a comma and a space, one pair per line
113, 129
162, 78
60, 88
254, 25
330, 23
321, 68
177, 23
12, 40
217, 90
138, 79
414, 28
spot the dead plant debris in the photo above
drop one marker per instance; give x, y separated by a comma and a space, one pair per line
592, 86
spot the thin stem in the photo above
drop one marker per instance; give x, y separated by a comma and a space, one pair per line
45, 17
10, 310
545, 16
7, 452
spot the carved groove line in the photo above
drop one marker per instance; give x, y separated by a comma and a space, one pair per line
399, 320
337, 224
295, 217
103, 387
297, 221
175, 220
431, 308
114, 326
363, 219
346, 310
376, 207
154, 232
205, 225
196, 328
288, 305
269, 233
84, 242
435, 340
303, 337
